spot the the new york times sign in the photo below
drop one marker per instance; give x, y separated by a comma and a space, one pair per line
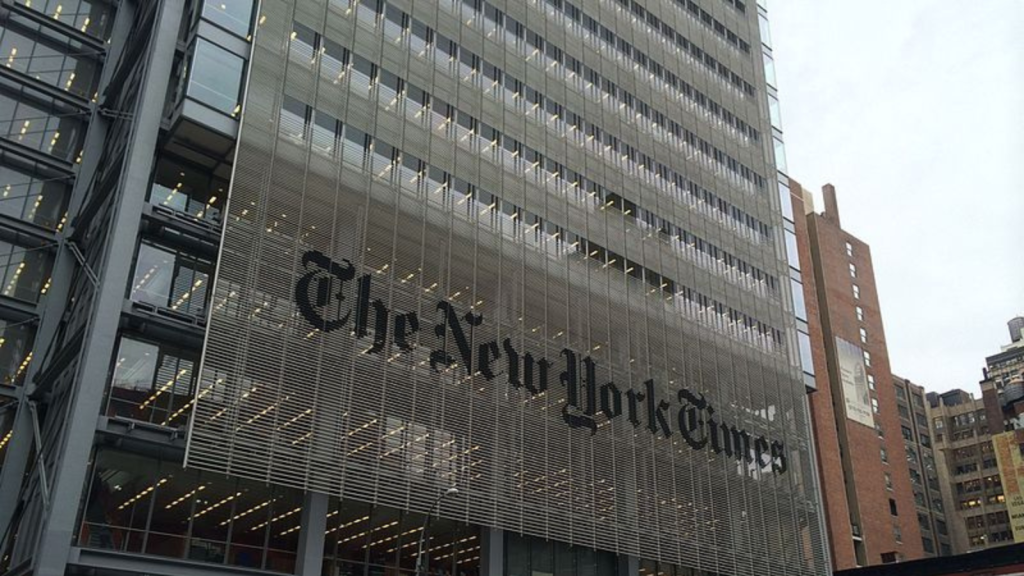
330, 285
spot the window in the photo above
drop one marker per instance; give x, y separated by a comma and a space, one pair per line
864, 335
904, 413
900, 393
897, 533
216, 77
853, 270
151, 383
888, 481
871, 381
892, 507
47, 127
233, 15
792, 253
799, 304
856, 292
940, 527
89, 16
849, 250
50, 58
780, 155
184, 188
874, 405
806, 357
884, 454
17, 339
860, 314
888, 557
167, 278
775, 114
769, 77
926, 441
143, 505
908, 435
927, 544
867, 358
24, 271
939, 423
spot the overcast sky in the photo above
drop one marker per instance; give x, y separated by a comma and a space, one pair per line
914, 110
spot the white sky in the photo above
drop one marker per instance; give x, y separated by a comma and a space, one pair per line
914, 110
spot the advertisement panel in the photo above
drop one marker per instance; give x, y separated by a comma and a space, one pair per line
856, 393
1009, 447
401, 306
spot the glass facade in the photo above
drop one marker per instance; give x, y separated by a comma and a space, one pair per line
604, 192
149, 506
529, 556
366, 540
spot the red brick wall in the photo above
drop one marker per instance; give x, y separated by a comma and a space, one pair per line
861, 443
830, 467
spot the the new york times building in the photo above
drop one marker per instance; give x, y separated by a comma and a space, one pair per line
529, 249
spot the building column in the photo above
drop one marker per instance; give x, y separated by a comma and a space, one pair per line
58, 530
311, 539
492, 552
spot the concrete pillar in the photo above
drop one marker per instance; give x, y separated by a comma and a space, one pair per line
58, 531
311, 538
492, 552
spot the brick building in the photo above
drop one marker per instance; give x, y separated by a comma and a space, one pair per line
869, 502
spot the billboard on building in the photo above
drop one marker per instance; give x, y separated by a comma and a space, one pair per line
853, 373
401, 305
1009, 447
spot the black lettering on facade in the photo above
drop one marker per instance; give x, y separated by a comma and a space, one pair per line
321, 291
330, 278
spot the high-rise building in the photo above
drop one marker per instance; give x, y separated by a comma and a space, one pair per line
532, 251
866, 483
925, 481
968, 471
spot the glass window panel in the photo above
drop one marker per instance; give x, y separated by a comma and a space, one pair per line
780, 155
769, 70
216, 77
766, 36
774, 112
786, 200
28, 197
154, 273
194, 191
92, 17
806, 357
151, 383
233, 15
24, 271
792, 251
799, 304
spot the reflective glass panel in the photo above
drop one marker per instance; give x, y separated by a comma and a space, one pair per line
234, 15
216, 77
